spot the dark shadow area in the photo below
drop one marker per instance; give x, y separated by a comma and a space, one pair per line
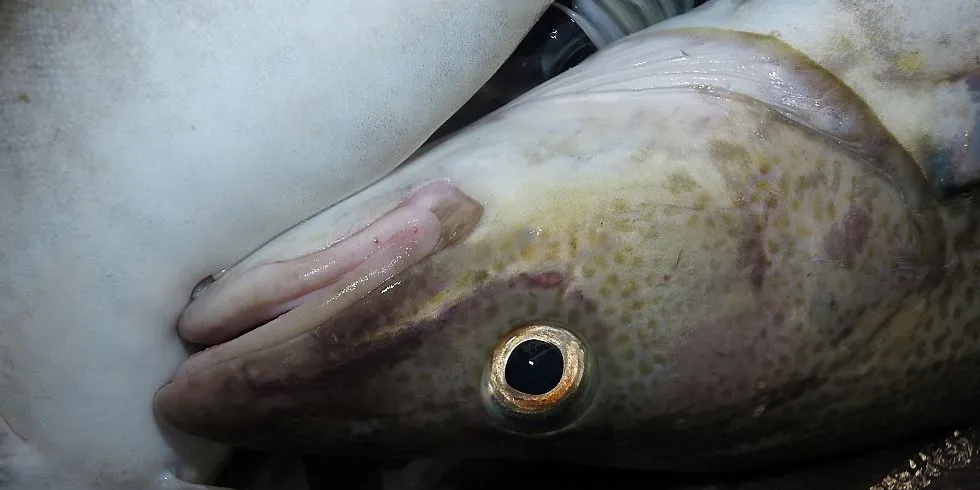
946, 460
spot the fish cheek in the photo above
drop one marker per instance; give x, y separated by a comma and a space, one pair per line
792, 331
770, 313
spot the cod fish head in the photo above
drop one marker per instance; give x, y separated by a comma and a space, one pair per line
668, 279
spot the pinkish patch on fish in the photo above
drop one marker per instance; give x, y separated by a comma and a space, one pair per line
848, 237
543, 280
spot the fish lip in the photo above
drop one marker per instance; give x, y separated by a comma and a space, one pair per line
443, 216
208, 400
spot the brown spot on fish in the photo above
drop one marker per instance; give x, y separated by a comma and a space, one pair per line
543, 280
729, 153
754, 256
847, 238
908, 63
678, 183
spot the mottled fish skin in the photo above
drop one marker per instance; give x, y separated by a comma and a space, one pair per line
758, 265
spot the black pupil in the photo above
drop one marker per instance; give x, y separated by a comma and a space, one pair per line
534, 367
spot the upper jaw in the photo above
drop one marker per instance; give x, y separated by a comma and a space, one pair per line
269, 303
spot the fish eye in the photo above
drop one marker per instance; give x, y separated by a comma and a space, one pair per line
539, 379
534, 367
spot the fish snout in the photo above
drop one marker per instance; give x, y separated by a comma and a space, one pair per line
304, 331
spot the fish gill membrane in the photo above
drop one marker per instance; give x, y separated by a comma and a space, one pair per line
144, 145
706, 248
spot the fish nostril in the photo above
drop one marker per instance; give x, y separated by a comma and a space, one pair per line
539, 378
534, 367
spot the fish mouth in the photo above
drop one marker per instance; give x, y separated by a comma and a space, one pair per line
245, 311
